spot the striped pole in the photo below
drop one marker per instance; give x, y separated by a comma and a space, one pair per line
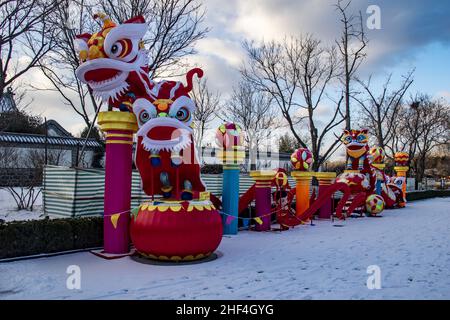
325, 180
231, 160
303, 182
263, 197
119, 128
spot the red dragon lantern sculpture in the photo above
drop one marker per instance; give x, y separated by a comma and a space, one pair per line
181, 223
361, 175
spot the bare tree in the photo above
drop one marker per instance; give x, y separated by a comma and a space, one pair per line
174, 27
208, 103
430, 131
69, 19
380, 112
252, 109
270, 70
297, 74
317, 68
21, 20
423, 126
36, 158
25, 197
8, 157
352, 45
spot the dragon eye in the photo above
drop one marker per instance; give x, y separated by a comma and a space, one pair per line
347, 139
183, 114
121, 48
361, 138
144, 116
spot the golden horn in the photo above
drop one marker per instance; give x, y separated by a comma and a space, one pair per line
107, 22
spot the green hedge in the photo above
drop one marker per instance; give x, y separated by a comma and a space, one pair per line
23, 238
420, 195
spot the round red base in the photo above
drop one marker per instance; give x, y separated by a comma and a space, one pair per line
174, 230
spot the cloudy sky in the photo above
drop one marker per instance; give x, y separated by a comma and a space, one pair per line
413, 34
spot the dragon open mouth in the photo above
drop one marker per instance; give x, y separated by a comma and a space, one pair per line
108, 77
99, 77
165, 134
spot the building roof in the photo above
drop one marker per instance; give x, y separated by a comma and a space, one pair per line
53, 126
23, 138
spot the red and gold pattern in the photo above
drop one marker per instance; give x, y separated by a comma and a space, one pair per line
176, 230
401, 158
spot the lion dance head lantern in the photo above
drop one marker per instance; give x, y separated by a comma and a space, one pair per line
181, 223
114, 63
184, 225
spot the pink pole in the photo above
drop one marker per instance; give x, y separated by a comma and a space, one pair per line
325, 180
119, 128
263, 197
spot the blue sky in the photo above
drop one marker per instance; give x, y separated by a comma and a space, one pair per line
414, 34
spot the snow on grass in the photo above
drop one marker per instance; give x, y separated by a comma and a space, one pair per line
9, 212
411, 246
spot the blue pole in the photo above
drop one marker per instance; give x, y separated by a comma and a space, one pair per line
378, 187
230, 198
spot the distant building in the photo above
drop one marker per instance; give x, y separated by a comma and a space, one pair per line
26, 150
264, 160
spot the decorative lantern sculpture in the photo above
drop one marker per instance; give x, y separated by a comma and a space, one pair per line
401, 168
182, 224
229, 139
302, 160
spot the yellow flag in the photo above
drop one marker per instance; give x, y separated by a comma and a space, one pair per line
114, 219
258, 220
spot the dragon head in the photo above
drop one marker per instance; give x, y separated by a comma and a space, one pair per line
165, 123
356, 142
113, 61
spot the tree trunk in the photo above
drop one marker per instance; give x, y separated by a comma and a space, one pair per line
348, 124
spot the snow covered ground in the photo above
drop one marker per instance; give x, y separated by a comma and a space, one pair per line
9, 212
411, 246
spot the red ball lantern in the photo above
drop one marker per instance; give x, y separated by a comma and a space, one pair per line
176, 230
302, 159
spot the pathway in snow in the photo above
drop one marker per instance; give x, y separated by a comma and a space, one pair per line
411, 246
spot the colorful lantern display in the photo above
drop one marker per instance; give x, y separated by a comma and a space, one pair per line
183, 225
364, 177
355, 142
302, 159
229, 135
401, 159
374, 204
376, 155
